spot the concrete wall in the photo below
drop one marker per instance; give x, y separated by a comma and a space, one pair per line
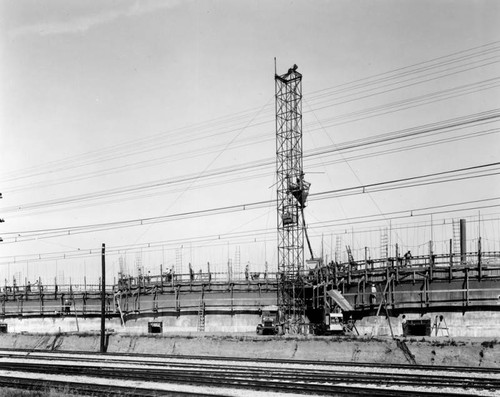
379, 326
454, 324
57, 324
171, 324
468, 324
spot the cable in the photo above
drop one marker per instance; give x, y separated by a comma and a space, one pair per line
64, 164
379, 186
464, 121
221, 239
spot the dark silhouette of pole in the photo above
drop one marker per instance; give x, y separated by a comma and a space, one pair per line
103, 298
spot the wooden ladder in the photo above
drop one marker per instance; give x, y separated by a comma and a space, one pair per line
440, 324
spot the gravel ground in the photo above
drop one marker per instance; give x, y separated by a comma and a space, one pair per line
216, 391
149, 362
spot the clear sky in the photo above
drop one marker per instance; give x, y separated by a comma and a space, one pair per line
115, 111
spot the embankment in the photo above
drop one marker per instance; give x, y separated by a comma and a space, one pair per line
426, 351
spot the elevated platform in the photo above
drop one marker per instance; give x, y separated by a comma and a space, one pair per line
140, 298
428, 283
425, 287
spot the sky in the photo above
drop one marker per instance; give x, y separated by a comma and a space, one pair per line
149, 126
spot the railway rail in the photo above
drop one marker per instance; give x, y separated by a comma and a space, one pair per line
133, 375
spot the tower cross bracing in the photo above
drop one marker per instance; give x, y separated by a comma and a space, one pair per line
291, 195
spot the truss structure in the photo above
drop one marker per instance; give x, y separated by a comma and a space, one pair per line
292, 193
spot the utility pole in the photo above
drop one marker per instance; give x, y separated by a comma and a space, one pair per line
103, 298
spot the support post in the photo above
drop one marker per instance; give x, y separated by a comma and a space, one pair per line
366, 263
479, 264
431, 261
103, 298
451, 260
463, 243
466, 286
161, 277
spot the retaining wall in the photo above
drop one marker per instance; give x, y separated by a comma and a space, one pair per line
453, 325
439, 351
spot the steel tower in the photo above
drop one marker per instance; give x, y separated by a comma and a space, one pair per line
292, 193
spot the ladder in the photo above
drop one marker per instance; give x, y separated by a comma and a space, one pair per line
178, 261
456, 240
440, 324
338, 249
237, 264
201, 317
229, 270
384, 245
350, 258
118, 297
138, 264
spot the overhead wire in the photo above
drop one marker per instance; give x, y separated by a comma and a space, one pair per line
322, 126
370, 141
41, 207
129, 149
222, 238
425, 179
237, 116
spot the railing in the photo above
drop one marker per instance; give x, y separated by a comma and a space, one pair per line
427, 298
169, 279
478, 260
79, 305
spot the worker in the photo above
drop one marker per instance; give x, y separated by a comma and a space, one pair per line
373, 295
404, 325
408, 258
191, 273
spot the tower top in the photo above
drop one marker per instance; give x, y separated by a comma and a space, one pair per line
290, 75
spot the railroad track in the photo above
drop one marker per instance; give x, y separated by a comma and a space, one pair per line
163, 375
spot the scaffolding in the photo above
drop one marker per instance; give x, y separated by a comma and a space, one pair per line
292, 193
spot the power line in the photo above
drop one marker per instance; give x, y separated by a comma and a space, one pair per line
222, 238
443, 126
152, 142
400, 183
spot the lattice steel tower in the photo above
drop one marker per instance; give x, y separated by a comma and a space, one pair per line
291, 198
